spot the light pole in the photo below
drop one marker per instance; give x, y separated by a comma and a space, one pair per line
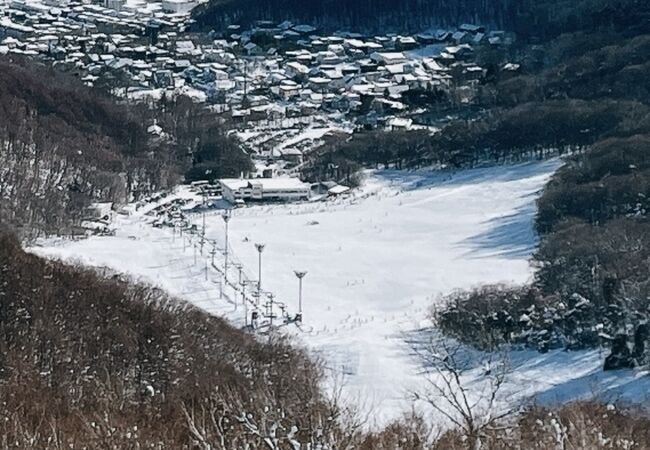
203, 219
240, 269
300, 275
226, 219
260, 249
213, 251
243, 296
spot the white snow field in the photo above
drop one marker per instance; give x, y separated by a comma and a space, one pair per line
376, 262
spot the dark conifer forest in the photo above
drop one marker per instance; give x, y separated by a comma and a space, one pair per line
358, 14
529, 18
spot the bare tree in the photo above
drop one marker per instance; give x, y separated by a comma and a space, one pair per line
473, 408
225, 420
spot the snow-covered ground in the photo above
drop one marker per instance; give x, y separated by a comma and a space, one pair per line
376, 262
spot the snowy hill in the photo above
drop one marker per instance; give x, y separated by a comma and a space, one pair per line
376, 262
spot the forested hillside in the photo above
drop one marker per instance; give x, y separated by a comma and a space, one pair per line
545, 19
65, 145
591, 286
88, 362
528, 18
358, 15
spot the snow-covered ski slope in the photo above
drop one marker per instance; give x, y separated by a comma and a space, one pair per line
376, 262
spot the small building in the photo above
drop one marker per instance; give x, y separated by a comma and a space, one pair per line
264, 189
462, 37
329, 188
426, 38
304, 29
291, 155
295, 69
389, 58
253, 49
337, 190
405, 43
471, 28
288, 90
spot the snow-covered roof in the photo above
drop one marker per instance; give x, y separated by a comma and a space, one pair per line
267, 184
338, 189
234, 183
305, 29
389, 57
399, 122
283, 183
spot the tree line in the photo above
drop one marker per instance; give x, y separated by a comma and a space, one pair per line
534, 129
63, 145
357, 15
591, 283
531, 20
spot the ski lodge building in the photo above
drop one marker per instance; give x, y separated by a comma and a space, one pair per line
264, 189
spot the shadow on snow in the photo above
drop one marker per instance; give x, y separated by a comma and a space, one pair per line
510, 236
548, 378
410, 180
